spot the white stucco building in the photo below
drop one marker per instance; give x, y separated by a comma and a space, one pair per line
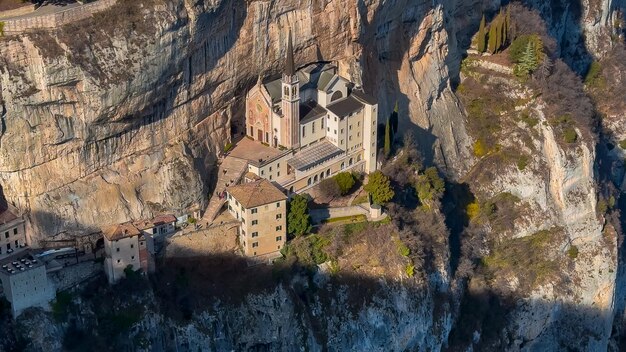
25, 283
124, 245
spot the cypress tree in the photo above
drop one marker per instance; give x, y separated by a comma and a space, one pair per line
387, 146
394, 119
508, 22
481, 44
497, 23
491, 45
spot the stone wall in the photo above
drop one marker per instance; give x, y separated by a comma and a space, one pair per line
57, 19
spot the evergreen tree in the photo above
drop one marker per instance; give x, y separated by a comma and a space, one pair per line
497, 23
298, 218
508, 23
387, 146
394, 119
481, 44
491, 44
379, 188
528, 61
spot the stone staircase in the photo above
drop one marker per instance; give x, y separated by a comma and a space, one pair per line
231, 170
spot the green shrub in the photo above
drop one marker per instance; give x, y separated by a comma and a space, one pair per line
1, 29
472, 210
191, 220
410, 270
594, 78
318, 243
480, 149
569, 135
403, 249
61, 306
379, 187
572, 252
228, 147
522, 162
345, 181
622, 144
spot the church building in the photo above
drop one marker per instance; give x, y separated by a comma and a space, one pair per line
317, 123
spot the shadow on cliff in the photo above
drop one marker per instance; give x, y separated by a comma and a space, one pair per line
386, 41
325, 312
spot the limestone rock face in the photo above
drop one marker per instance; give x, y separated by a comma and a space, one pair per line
102, 122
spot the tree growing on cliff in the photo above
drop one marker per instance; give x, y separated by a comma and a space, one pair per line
298, 218
491, 45
429, 186
481, 40
379, 188
387, 146
394, 119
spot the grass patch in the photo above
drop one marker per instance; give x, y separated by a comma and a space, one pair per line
361, 199
228, 147
622, 144
352, 218
570, 135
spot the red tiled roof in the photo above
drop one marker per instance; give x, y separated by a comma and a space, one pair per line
117, 232
253, 194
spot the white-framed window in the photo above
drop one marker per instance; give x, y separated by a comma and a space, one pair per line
278, 228
255, 234
279, 216
254, 222
254, 245
279, 238
253, 210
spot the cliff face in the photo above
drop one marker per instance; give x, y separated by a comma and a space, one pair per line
105, 123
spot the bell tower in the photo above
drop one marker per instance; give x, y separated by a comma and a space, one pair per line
290, 121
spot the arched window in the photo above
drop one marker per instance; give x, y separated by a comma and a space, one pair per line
350, 162
327, 172
308, 182
286, 92
358, 158
315, 179
322, 175
343, 166
336, 95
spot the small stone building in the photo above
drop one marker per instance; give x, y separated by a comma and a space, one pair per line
262, 209
124, 245
12, 232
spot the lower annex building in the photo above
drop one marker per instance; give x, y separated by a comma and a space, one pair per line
261, 209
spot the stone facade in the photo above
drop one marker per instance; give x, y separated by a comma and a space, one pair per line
262, 210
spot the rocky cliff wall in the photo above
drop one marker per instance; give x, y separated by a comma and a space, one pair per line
153, 96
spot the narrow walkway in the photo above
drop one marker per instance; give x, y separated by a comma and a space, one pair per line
230, 171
